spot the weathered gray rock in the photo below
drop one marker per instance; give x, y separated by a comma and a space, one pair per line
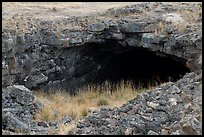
57, 84
40, 78
148, 38
5, 71
164, 132
13, 123
8, 80
50, 38
167, 117
94, 38
10, 45
33, 81
29, 81
97, 27
20, 41
75, 40
65, 120
150, 132
43, 124
29, 41
17, 116
22, 94
152, 104
132, 27
6, 132
159, 9
133, 42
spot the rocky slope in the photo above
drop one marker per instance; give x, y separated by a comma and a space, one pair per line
19, 107
50, 54
169, 109
48, 57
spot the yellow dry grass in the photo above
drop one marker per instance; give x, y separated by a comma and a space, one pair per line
60, 104
18, 15
59, 9
188, 17
191, 16
160, 27
63, 129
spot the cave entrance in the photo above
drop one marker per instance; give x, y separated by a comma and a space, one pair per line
139, 65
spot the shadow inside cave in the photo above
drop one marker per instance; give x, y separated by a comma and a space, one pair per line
112, 62
138, 65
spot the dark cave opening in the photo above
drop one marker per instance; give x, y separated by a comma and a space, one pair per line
138, 65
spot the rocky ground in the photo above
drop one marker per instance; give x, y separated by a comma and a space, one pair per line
169, 109
19, 107
44, 53
173, 28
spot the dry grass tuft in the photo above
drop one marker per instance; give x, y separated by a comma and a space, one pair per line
181, 20
63, 129
66, 129
160, 27
191, 16
102, 102
60, 104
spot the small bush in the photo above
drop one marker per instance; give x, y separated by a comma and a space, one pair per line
84, 112
45, 114
102, 102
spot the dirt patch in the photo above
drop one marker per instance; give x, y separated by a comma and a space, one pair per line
54, 10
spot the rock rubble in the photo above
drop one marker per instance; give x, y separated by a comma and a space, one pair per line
50, 58
18, 110
169, 109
